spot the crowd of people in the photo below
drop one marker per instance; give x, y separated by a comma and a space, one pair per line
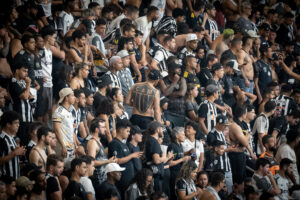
149, 99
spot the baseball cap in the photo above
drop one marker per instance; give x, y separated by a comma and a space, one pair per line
63, 93
252, 34
154, 75
222, 119
123, 53
233, 64
191, 37
211, 88
216, 67
163, 100
104, 81
153, 126
23, 181
113, 167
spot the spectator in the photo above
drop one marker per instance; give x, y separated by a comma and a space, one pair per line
38, 154
113, 171
39, 188
80, 102
190, 47
85, 180
10, 152
80, 80
202, 180
205, 73
3, 191
284, 102
133, 141
191, 106
54, 168
243, 24
282, 177
75, 188
210, 24
66, 16
217, 184
104, 84
213, 157
10, 184
269, 144
115, 66
32, 131
268, 95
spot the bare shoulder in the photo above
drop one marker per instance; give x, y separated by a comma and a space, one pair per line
206, 195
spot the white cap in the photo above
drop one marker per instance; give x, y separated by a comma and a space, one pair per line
191, 37
123, 53
113, 167
235, 65
252, 34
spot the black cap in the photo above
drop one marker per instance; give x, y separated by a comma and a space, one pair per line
265, 27
153, 126
104, 81
216, 67
154, 75
264, 47
222, 119
163, 100
172, 66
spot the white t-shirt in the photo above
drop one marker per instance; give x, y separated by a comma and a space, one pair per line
87, 185
283, 184
187, 145
285, 151
46, 4
160, 4
116, 22
67, 20
46, 61
261, 125
144, 26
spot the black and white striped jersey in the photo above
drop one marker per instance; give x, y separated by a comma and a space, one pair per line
208, 111
7, 145
283, 105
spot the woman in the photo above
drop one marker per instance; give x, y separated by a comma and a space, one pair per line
82, 72
191, 106
141, 185
202, 180
193, 146
118, 99
185, 186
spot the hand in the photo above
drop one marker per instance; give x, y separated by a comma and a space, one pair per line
247, 83
253, 156
170, 155
113, 159
44, 79
176, 78
205, 16
139, 78
19, 151
137, 154
259, 99
27, 80
167, 123
64, 152
37, 86
186, 158
199, 191
6, 38
269, 174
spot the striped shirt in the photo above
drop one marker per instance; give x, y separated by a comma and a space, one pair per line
212, 27
115, 79
12, 167
283, 105
224, 159
161, 57
21, 106
208, 111
184, 53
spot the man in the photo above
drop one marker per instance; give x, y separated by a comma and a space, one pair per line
144, 111
19, 90
269, 144
125, 74
249, 118
32, 131
155, 158
261, 126
161, 55
205, 73
144, 23
285, 33
96, 150
113, 171
222, 44
262, 71
213, 157
38, 154
3, 191
39, 188
210, 24
207, 111
217, 184
120, 150
284, 103
104, 84
287, 151
63, 122
54, 168
49, 37
94, 6
263, 180
282, 177
85, 180
173, 86
10, 184
10, 152
176, 149
217, 134
66, 16
96, 38
134, 139
80, 102
232, 52
190, 47
281, 125
243, 24
75, 188
116, 65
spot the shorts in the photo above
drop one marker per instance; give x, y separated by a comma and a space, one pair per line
47, 97
238, 166
141, 121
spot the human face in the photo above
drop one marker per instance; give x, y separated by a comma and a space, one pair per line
203, 180
2, 100
190, 131
194, 92
59, 168
41, 181
116, 175
91, 169
14, 126
181, 137
194, 174
138, 40
53, 140
297, 98
97, 11
119, 96
271, 143
294, 121
193, 63
269, 53
124, 132
148, 181
155, 15
48, 139
82, 100
138, 137
193, 44
251, 115
212, 12
289, 169
172, 45
220, 150
30, 45
3, 192
265, 169
101, 29
118, 65
133, 16
272, 36
71, 98
80, 42
102, 127
130, 33
82, 169
248, 10
126, 61
220, 73
129, 45
52, 39
39, 43
90, 100
22, 73
200, 53
85, 71
276, 91
11, 189
14, 14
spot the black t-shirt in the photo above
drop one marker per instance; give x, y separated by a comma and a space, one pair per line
75, 189
228, 96
120, 150
52, 186
137, 162
280, 124
153, 147
103, 188
98, 97
204, 75
263, 72
178, 153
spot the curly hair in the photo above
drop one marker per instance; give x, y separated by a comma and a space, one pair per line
185, 171
106, 107
140, 179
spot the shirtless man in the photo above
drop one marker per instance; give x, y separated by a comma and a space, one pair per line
221, 43
231, 11
38, 154
145, 99
246, 60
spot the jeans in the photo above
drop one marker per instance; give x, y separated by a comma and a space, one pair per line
228, 180
250, 88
